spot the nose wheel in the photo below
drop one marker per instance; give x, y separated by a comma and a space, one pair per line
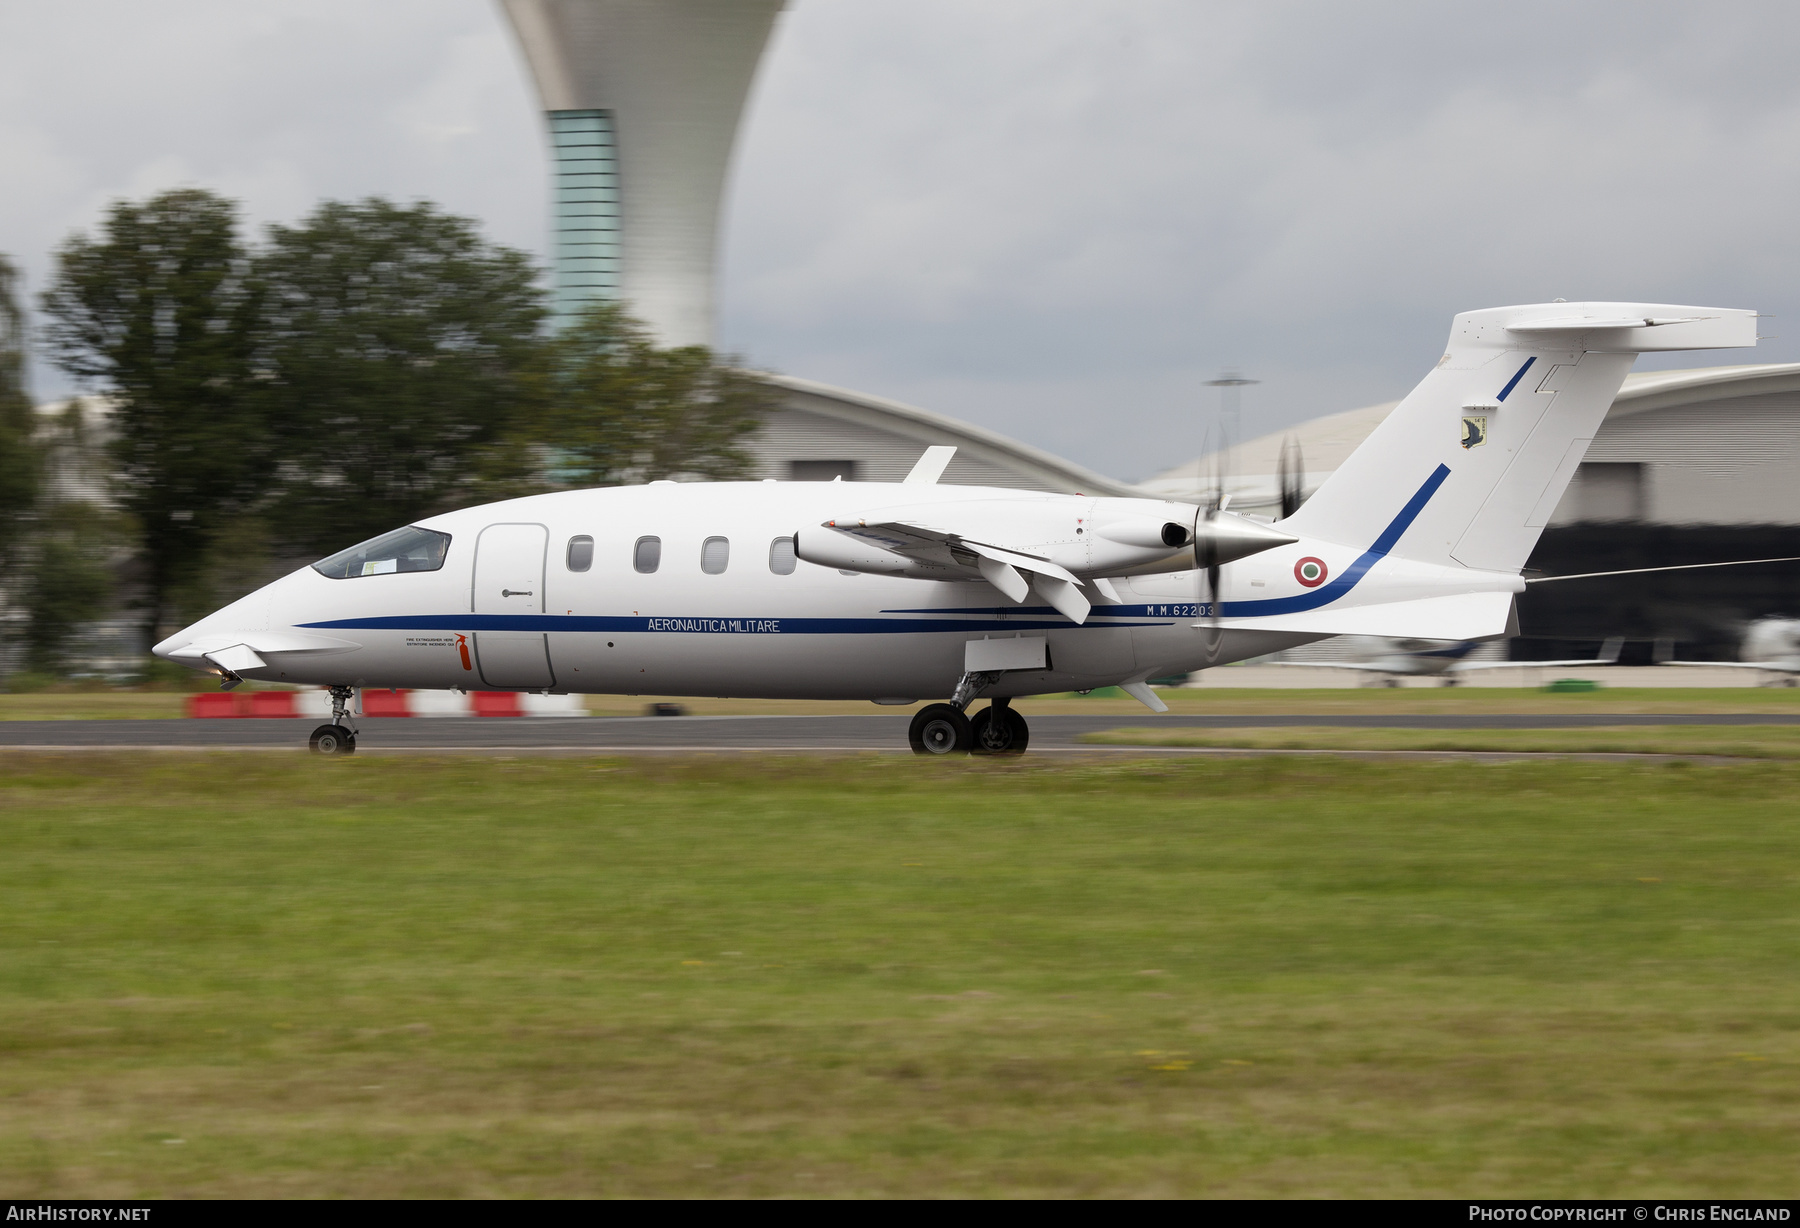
337, 738
332, 740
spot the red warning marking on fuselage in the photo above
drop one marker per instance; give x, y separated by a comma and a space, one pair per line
462, 646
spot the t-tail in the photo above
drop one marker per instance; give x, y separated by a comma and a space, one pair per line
1423, 530
1487, 443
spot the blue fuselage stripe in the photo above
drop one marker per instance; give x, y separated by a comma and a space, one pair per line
1352, 575
689, 625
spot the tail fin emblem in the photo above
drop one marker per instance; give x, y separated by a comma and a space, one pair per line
1474, 432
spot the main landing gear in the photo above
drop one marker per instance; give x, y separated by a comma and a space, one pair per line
337, 738
943, 729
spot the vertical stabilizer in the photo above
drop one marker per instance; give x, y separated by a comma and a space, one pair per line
1507, 414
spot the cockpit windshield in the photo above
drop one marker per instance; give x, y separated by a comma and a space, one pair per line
408, 549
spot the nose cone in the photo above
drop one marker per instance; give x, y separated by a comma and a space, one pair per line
1225, 537
166, 649
245, 616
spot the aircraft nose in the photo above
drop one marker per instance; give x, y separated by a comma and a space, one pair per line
178, 640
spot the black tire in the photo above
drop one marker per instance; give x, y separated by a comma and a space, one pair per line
332, 740
939, 729
1006, 735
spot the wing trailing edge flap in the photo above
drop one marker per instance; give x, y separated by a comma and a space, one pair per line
1462, 616
1005, 577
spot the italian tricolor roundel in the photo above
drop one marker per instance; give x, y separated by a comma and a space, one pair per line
1310, 571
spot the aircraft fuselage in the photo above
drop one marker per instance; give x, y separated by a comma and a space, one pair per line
524, 600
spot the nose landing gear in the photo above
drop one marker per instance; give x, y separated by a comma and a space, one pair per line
337, 738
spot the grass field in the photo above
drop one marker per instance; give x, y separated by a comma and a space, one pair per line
1736, 741
242, 976
109, 705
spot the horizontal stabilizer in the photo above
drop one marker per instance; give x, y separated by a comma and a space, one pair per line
1629, 328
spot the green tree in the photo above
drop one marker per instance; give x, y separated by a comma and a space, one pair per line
397, 346
616, 407
68, 581
20, 465
159, 311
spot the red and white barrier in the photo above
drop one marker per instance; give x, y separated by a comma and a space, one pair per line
317, 704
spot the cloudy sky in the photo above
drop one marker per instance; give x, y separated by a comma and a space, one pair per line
1056, 218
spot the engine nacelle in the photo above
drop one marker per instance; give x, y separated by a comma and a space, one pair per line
1146, 533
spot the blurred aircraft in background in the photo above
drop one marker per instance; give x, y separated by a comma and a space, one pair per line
1391, 660
1771, 645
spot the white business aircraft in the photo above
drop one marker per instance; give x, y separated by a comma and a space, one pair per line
1771, 645
896, 592
1391, 660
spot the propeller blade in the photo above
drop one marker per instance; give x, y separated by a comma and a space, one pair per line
1292, 476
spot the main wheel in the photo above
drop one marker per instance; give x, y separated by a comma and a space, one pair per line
1002, 732
332, 740
939, 729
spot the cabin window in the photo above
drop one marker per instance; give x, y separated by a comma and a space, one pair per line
646, 556
714, 555
408, 549
781, 556
581, 553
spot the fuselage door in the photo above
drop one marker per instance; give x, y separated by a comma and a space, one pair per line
509, 580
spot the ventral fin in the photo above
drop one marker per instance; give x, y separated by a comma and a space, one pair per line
1141, 692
